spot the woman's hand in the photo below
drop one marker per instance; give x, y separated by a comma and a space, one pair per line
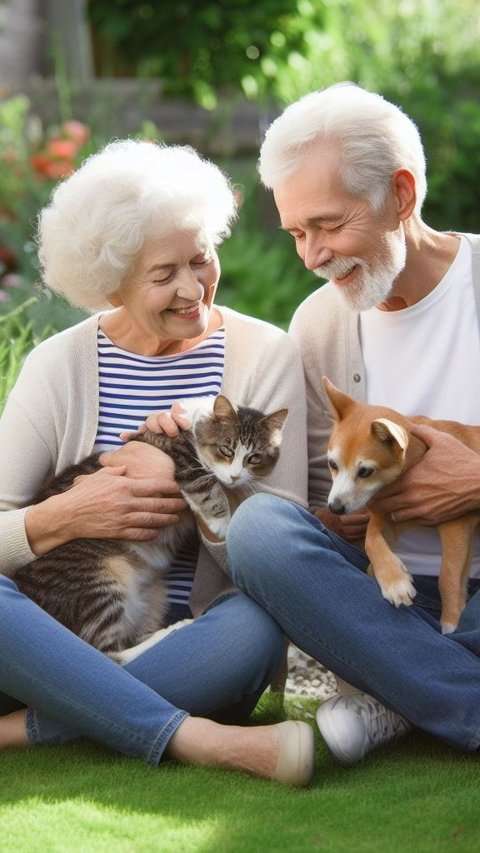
168, 422
140, 460
444, 484
108, 504
349, 527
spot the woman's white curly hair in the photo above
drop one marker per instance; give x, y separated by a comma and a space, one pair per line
90, 234
374, 138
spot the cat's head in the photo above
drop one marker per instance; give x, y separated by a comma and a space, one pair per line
238, 445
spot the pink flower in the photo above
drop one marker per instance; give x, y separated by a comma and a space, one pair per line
12, 280
78, 132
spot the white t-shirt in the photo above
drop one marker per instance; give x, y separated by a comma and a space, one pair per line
425, 360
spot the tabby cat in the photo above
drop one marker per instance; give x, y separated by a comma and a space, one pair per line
112, 593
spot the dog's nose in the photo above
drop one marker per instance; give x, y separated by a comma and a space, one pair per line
336, 507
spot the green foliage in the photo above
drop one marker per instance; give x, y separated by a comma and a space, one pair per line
202, 49
16, 340
421, 54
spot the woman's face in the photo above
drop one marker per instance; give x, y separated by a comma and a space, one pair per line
170, 291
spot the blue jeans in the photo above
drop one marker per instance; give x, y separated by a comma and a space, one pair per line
216, 667
314, 584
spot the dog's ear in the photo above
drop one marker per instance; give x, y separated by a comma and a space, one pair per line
389, 432
338, 402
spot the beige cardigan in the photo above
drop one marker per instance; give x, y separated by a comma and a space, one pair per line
50, 422
329, 341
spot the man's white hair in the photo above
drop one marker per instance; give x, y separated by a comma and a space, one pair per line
374, 138
90, 234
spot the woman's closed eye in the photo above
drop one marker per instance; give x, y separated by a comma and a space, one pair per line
201, 260
163, 275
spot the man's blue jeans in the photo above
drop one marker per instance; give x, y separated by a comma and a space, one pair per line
216, 667
314, 585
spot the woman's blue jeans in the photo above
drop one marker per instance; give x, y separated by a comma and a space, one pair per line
314, 585
217, 667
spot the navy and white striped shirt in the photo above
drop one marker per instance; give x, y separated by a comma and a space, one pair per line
131, 386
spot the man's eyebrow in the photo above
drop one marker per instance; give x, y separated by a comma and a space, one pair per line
314, 220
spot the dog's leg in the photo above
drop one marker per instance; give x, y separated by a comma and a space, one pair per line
391, 575
457, 544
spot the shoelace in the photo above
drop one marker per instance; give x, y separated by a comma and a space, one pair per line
381, 723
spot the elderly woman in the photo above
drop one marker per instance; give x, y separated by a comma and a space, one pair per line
131, 236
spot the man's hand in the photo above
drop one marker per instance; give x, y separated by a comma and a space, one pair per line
349, 527
443, 485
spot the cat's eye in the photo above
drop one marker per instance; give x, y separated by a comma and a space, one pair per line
254, 458
226, 451
365, 471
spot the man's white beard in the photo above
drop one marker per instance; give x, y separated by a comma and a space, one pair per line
374, 283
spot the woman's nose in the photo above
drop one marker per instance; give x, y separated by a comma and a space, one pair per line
189, 286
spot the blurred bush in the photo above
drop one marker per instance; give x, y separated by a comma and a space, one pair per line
420, 54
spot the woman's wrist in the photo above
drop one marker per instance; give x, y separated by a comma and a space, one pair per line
47, 525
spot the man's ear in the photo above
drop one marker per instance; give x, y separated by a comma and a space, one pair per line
405, 192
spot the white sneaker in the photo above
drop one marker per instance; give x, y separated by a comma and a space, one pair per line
354, 724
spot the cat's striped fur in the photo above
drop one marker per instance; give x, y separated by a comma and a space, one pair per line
112, 592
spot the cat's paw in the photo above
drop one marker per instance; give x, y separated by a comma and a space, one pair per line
218, 526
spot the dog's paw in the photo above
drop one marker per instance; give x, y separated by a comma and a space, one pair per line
400, 592
448, 627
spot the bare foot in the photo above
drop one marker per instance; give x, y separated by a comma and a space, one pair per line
12, 730
283, 752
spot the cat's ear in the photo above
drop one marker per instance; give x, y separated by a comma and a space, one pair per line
223, 409
275, 420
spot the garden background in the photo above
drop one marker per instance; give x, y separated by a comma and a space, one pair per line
214, 74
74, 74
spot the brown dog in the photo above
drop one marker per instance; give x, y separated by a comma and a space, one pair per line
369, 447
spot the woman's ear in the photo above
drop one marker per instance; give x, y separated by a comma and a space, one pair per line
405, 192
114, 299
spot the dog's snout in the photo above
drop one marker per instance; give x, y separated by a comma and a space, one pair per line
336, 506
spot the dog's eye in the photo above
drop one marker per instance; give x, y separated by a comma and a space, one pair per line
365, 472
332, 465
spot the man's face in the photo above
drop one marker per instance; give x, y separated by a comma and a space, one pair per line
338, 236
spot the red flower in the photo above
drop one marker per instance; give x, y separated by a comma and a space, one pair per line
61, 148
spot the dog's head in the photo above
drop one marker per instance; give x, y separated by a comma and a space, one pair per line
366, 450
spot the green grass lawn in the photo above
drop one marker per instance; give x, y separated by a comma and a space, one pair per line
416, 795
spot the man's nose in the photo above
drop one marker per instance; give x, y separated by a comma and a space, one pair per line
316, 253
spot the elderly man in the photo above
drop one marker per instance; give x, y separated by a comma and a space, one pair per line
397, 324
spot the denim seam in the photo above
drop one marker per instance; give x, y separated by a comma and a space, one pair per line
160, 743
